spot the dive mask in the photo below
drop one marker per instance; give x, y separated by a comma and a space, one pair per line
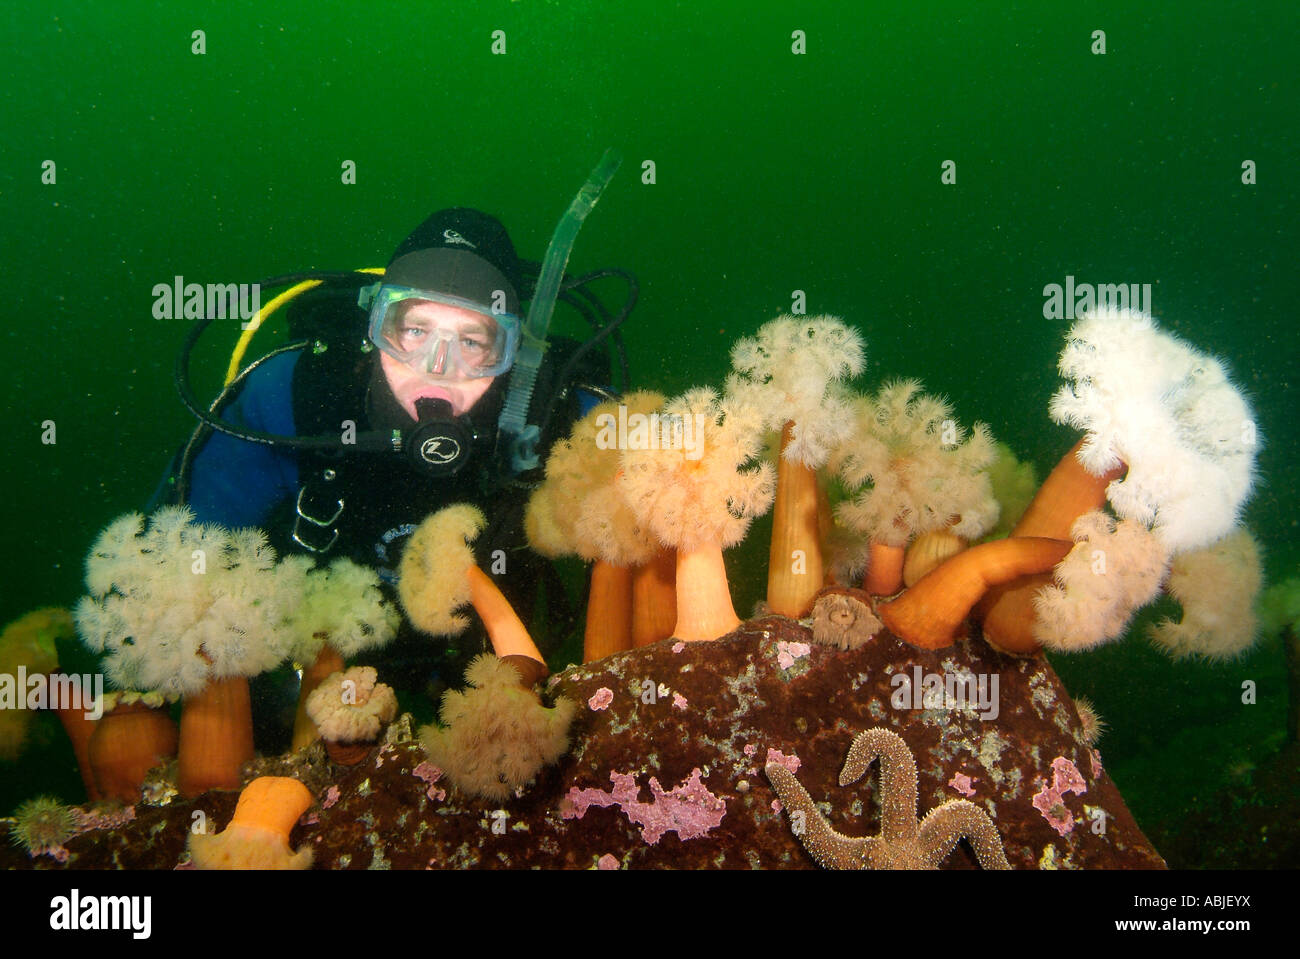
407, 324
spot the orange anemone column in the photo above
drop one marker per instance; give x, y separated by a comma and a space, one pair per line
609, 611
931, 612
1007, 612
794, 561
704, 608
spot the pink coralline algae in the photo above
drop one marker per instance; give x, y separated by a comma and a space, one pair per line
602, 698
607, 862
331, 797
791, 762
679, 701
430, 773
1095, 758
787, 653
963, 784
678, 647
689, 810
1050, 800
1051, 804
750, 749
1066, 777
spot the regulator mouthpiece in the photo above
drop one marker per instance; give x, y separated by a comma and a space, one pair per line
440, 445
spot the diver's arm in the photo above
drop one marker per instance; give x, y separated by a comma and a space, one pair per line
236, 482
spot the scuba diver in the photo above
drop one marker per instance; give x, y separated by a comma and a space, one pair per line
426, 388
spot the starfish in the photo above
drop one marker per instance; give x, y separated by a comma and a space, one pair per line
903, 843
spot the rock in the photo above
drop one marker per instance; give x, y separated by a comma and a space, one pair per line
667, 769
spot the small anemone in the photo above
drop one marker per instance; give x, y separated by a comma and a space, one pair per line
842, 617
498, 735
258, 834
352, 706
1090, 720
43, 823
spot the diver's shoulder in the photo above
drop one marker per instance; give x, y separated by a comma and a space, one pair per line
266, 395
274, 373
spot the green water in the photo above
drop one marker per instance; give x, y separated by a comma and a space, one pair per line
774, 172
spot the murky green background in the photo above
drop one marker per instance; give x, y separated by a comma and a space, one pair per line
773, 173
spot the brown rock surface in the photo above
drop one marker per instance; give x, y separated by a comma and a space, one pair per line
674, 708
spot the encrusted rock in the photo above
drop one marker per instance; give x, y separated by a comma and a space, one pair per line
670, 773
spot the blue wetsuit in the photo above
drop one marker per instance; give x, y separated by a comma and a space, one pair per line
235, 482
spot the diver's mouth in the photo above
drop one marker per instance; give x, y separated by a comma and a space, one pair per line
433, 393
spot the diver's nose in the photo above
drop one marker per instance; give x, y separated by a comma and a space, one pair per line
438, 362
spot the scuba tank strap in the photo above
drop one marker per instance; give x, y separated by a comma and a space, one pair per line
317, 511
328, 395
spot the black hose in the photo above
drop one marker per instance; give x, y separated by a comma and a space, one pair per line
365, 442
609, 328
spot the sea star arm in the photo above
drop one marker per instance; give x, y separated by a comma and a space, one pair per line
830, 849
897, 779
944, 826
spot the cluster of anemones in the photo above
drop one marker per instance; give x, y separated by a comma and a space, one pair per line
1169, 445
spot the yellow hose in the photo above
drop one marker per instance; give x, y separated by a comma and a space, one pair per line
246, 337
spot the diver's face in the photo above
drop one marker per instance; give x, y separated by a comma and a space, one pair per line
437, 378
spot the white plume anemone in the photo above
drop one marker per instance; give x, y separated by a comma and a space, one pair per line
1169, 412
178, 604
791, 371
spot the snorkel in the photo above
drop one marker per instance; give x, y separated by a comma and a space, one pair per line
515, 436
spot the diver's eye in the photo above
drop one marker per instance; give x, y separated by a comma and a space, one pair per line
411, 338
